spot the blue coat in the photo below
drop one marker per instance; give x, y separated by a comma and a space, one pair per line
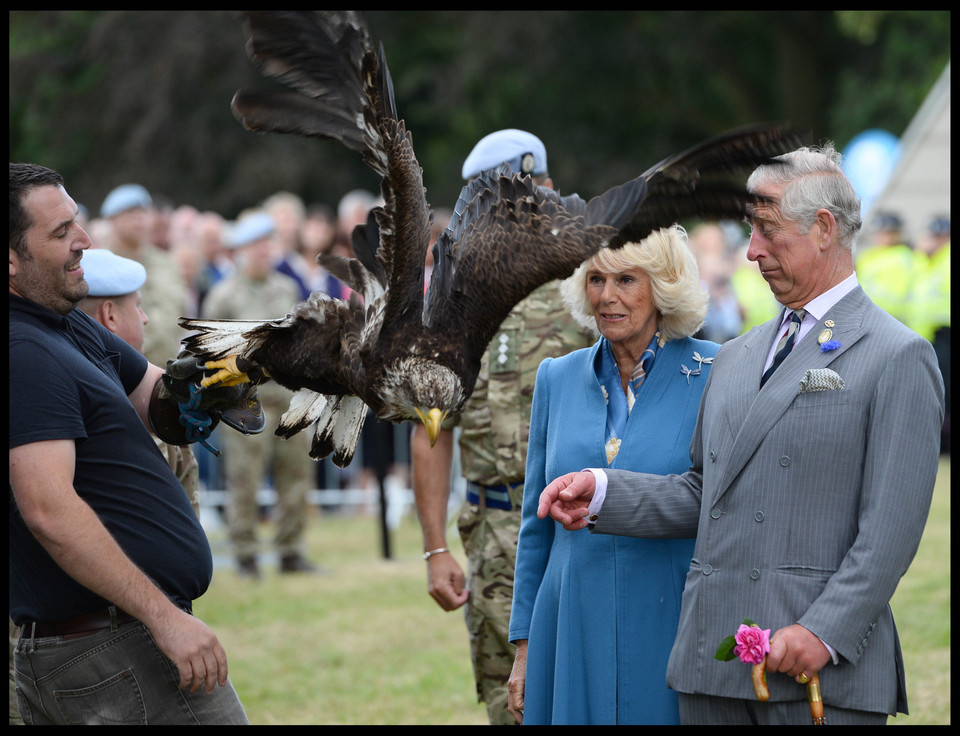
601, 612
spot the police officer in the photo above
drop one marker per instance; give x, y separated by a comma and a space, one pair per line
128, 210
931, 304
887, 269
114, 300
494, 426
256, 290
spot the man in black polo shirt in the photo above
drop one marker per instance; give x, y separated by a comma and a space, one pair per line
106, 553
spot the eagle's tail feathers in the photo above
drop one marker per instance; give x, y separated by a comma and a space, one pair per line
346, 431
339, 422
305, 408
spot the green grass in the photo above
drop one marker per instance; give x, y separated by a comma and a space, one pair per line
921, 607
365, 644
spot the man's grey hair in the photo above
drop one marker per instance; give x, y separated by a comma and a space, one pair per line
812, 179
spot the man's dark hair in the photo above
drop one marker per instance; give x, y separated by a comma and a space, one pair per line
23, 178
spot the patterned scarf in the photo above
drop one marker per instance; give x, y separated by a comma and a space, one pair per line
619, 405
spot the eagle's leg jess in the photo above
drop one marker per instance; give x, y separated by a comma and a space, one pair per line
230, 371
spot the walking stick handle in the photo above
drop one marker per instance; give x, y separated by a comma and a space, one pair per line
816, 703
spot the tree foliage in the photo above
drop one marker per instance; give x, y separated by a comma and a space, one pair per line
108, 97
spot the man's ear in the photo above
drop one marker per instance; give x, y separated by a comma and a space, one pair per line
107, 315
828, 228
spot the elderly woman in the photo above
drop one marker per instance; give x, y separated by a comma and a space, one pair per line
594, 616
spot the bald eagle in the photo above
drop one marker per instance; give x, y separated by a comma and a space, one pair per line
407, 356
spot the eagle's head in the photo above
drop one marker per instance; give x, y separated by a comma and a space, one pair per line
418, 388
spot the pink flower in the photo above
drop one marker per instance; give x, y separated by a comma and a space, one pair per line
752, 644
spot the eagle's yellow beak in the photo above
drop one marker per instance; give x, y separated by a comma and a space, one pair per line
432, 421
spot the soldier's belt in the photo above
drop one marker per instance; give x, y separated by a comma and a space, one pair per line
492, 497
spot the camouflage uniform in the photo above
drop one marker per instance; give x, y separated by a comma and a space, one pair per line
248, 459
494, 427
164, 299
184, 465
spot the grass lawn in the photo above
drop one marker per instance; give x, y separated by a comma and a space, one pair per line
362, 644
921, 607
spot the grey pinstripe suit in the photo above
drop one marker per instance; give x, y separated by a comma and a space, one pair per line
808, 506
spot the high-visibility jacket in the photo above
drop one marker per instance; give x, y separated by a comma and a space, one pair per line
754, 296
930, 301
888, 275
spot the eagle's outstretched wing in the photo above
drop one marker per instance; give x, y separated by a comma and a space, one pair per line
509, 232
344, 92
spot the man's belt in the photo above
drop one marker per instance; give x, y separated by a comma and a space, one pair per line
83, 625
492, 497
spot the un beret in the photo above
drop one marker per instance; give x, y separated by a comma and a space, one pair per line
250, 229
524, 152
108, 274
123, 198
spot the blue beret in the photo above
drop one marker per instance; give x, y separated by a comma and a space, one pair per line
123, 198
510, 146
111, 275
250, 229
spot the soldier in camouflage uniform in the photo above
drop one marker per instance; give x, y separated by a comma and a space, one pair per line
128, 208
494, 426
255, 290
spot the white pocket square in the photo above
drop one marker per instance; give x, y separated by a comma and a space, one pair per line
821, 379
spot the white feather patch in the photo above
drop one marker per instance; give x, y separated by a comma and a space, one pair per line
305, 408
346, 432
220, 338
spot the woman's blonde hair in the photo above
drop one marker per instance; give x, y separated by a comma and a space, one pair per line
666, 258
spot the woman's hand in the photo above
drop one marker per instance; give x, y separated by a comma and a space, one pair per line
516, 684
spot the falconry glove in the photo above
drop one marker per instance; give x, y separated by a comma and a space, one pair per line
200, 409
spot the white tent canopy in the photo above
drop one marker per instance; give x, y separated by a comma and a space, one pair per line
919, 187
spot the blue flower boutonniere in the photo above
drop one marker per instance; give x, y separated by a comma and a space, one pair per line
829, 345
701, 361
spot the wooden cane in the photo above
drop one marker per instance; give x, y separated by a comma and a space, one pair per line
816, 703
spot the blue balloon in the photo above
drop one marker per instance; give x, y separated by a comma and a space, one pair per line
869, 161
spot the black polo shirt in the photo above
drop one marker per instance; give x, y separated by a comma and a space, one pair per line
69, 379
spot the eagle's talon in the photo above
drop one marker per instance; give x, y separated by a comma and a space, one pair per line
227, 375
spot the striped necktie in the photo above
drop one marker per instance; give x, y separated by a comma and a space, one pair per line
786, 343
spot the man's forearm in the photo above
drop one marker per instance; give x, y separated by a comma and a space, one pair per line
431, 483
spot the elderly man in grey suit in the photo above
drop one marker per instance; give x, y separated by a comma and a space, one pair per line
811, 476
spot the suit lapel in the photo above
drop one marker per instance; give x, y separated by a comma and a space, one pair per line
751, 412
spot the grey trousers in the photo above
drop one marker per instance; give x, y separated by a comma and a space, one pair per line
709, 710
111, 677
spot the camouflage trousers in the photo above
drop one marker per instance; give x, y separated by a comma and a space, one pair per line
248, 460
490, 541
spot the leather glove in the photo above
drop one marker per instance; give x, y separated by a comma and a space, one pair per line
237, 406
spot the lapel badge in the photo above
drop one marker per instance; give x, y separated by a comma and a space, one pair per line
824, 336
830, 323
